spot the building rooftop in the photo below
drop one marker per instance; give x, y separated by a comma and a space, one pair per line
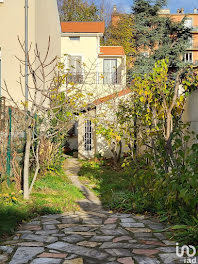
83, 27
111, 50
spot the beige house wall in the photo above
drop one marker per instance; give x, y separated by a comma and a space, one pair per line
92, 69
43, 22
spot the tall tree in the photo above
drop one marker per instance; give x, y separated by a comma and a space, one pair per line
157, 36
78, 10
121, 34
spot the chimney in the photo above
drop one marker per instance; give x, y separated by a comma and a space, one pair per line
195, 10
182, 10
178, 11
114, 9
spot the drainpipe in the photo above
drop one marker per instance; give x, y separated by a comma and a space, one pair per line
0, 72
26, 54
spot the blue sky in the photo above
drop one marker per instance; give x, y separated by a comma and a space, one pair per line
188, 5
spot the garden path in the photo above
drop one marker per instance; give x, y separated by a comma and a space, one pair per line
89, 236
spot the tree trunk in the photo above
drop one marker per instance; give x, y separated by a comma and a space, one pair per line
26, 165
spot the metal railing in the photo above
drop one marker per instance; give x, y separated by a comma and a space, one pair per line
105, 78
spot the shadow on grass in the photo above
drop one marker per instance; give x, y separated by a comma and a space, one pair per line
13, 215
106, 182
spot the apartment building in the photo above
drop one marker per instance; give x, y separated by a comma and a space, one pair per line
99, 70
191, 21
43, 23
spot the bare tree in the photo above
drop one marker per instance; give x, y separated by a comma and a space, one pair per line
50, 108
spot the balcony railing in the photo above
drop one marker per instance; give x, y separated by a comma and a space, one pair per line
105, 78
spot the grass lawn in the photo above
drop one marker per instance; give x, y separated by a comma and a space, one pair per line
52, 193
106, 183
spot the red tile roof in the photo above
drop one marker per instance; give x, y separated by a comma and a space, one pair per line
112, 96
111, 50
83, 27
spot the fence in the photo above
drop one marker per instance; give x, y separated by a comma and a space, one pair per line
12, 129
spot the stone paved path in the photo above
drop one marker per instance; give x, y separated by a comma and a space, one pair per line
90, 236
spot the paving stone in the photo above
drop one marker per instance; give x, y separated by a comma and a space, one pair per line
150, 242
116, 245
31, 244
169, 258
95, 221
52, 222
132, 224
77, 228
61, 226
127, 220
110, 220
58, 235
167, 249
139, 230
146, 260
88, 244
73, 238
116, 232
121, 215
25, 254
49, 227
51, 216
31, 228
101, 238
146, 252
39, 238
72, 256
70, 220
80, 233
122, 238
6, 249
97, 214
52, 255
70, 248
169, 243
139, 217
74, 261
46, 232
119, 252
110, 226
46, 261
127, 260
156, 226
35, 222
159, 236
143, 235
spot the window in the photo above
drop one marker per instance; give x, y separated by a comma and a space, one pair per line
188, 57
88, 135
110, 71
190, 42
75, 69
188, 22
74, 38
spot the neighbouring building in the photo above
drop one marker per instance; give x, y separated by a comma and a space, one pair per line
191, 56
100, 70
43, 23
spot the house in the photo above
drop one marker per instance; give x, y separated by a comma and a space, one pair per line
43, 23
99, 70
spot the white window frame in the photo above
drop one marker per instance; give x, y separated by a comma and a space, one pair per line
88, 136
187, 61
66, 62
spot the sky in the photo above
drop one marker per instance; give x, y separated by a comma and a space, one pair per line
188, 5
